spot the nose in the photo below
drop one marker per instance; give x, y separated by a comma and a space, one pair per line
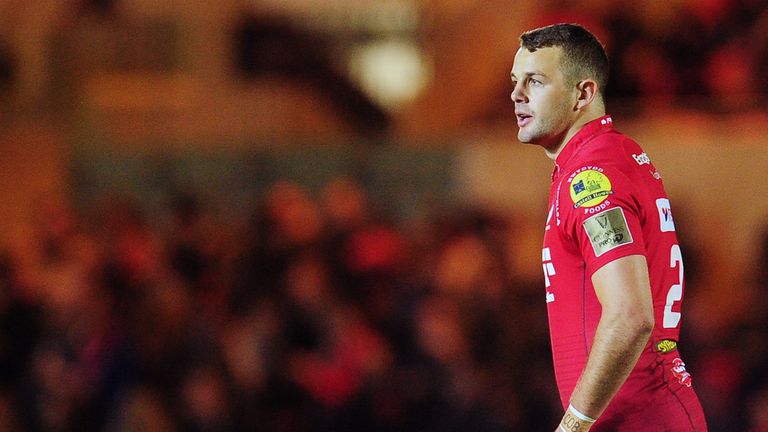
517, 95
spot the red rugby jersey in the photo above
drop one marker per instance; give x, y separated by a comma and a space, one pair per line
607, 201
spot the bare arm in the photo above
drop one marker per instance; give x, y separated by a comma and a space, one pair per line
624, 292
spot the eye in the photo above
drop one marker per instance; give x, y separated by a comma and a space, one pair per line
534, 82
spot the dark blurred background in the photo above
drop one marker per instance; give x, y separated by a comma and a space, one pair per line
314, 215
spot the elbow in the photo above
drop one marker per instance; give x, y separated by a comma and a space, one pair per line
645, 325
641, 325
635, 324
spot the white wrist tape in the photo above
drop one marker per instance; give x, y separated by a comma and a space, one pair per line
580, 415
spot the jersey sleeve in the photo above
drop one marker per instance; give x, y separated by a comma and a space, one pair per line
601, 212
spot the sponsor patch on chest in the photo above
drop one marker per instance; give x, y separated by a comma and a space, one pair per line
608, 230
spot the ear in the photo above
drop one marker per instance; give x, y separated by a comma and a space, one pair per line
587, 91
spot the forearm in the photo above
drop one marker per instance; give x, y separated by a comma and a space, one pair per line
617, 345
626, 323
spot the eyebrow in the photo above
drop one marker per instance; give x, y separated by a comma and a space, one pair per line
527, 74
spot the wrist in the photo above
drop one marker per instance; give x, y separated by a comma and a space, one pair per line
575, 421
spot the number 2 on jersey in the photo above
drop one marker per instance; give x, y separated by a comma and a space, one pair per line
672, 319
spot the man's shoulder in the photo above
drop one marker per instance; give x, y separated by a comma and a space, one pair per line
610, 149
609, 141
602, 171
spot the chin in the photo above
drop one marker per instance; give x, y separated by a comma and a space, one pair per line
525, 139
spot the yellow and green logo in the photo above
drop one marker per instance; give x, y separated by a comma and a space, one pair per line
666, 345
590, 188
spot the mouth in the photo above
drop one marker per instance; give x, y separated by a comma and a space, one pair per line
523, 119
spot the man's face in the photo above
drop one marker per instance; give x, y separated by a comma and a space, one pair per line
544, 103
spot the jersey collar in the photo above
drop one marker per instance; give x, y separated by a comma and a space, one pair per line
589, 130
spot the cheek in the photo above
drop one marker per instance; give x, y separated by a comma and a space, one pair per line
554, 103
556, 98
543, 98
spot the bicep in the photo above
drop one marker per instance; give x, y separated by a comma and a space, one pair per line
623, 288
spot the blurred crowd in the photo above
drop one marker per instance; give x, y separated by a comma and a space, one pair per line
707, 54
318, 314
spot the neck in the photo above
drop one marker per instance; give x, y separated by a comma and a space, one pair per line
582, 118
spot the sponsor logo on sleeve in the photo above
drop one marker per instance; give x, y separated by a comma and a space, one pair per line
608, 230
642, 159
665, 215
666, 346
589, 188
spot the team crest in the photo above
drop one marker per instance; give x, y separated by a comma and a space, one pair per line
682, 375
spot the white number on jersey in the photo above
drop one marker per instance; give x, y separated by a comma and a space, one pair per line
672, 319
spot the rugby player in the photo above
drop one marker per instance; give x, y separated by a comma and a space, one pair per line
613, 268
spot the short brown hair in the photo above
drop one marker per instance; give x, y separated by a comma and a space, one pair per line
583, 54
